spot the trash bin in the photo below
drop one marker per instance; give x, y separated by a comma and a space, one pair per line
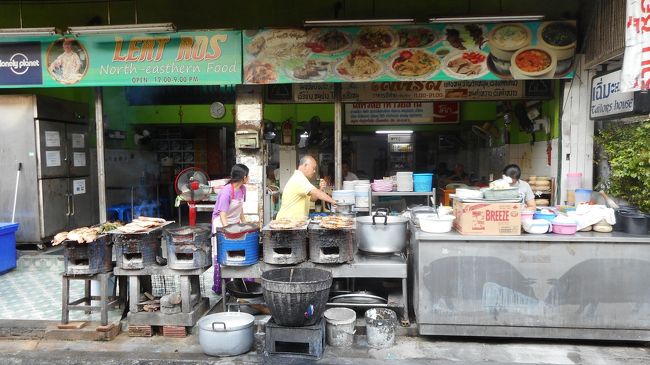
7, 246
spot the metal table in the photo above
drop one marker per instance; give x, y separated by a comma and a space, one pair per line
584, 286
363, 266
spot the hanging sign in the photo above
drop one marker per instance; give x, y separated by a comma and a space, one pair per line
441, 52
636, 60
401, 113
183, 58
608, 101
410, 91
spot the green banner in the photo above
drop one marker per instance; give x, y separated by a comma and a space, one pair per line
429, 52
183, 58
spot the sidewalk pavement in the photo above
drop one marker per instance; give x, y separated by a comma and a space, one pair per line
407, 350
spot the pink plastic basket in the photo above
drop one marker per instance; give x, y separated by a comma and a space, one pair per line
565, 228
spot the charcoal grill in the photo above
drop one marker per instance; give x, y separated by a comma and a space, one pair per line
188, 247
88, 258
135, 251
331, 246
284, 246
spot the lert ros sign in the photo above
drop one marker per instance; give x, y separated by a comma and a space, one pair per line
20, 63
609, 102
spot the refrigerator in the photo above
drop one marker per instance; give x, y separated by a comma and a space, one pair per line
50, 138
401, 153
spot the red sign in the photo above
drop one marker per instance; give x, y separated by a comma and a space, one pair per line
446, 112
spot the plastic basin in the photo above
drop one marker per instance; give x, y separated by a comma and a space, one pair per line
565, 228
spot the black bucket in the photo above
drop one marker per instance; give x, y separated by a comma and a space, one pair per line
635, 223
296, 296
620, 221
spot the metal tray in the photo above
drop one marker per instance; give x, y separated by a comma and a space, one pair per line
358, 298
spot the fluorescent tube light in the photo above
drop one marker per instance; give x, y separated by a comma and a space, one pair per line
27, 32
381, 131
126, 28
357, 22
487, 19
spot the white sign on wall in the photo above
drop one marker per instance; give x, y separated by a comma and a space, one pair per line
607, 99
387, 113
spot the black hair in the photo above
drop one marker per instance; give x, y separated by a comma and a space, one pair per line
512, 171
238, 173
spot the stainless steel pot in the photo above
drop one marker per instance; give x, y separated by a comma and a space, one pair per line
344, 208
381, 233
226, 333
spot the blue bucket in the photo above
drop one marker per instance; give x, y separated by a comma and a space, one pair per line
7, 246
242, 249
422, 182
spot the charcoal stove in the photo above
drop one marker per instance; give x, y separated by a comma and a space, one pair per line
284, 246
88, 258
135, 251
188, 247
331, 246
307, 342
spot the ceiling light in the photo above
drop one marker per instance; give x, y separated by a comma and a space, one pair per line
487, 19
126, 28
381, 131
28, 32
357, 22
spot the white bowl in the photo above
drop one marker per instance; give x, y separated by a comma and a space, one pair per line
549, 70
431, 223
462, 193
536, 226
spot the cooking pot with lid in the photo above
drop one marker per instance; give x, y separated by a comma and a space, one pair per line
381, 233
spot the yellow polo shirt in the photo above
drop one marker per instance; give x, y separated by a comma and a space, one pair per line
295, 197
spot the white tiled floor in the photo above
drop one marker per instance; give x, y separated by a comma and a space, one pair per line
32, 291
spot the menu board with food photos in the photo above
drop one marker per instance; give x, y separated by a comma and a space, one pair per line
505, 51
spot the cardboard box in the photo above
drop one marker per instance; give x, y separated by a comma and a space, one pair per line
500, 219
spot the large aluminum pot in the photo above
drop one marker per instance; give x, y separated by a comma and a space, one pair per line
226, 333
381, 233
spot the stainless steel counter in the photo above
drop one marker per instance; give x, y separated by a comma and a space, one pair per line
585, 286
525, 237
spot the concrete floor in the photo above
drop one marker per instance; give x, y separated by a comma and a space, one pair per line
407, 350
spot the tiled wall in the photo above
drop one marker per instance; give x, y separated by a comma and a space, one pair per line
533, 159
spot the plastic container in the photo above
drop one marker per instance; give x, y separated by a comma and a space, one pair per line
527, 215
565, 228
431, 223
344, 196
340, 326
242, 249
583, 196
574, 180
635, 223
422, 182
296, 297
380, 327
361, 195
7, 246
536, 226
512, 193
548, 216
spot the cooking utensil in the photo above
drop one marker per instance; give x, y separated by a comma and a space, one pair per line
226, 333
360, 297
381, 233
13, 212
241, 289
610, 202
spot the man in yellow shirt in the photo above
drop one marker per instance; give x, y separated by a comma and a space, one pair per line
298, 192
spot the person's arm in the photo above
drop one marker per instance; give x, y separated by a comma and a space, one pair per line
317, 194
224, 218
530, 197
531, 204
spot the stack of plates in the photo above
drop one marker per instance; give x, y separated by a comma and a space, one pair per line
382, 185
349, 185
404, 181
361, 195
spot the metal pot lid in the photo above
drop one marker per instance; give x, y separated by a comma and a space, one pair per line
361, 297
226, 321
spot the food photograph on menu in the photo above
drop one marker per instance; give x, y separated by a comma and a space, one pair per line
505, 51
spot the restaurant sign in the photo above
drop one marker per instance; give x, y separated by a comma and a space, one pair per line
183, 58
609, 101
426, 52
401, 113
411, 91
